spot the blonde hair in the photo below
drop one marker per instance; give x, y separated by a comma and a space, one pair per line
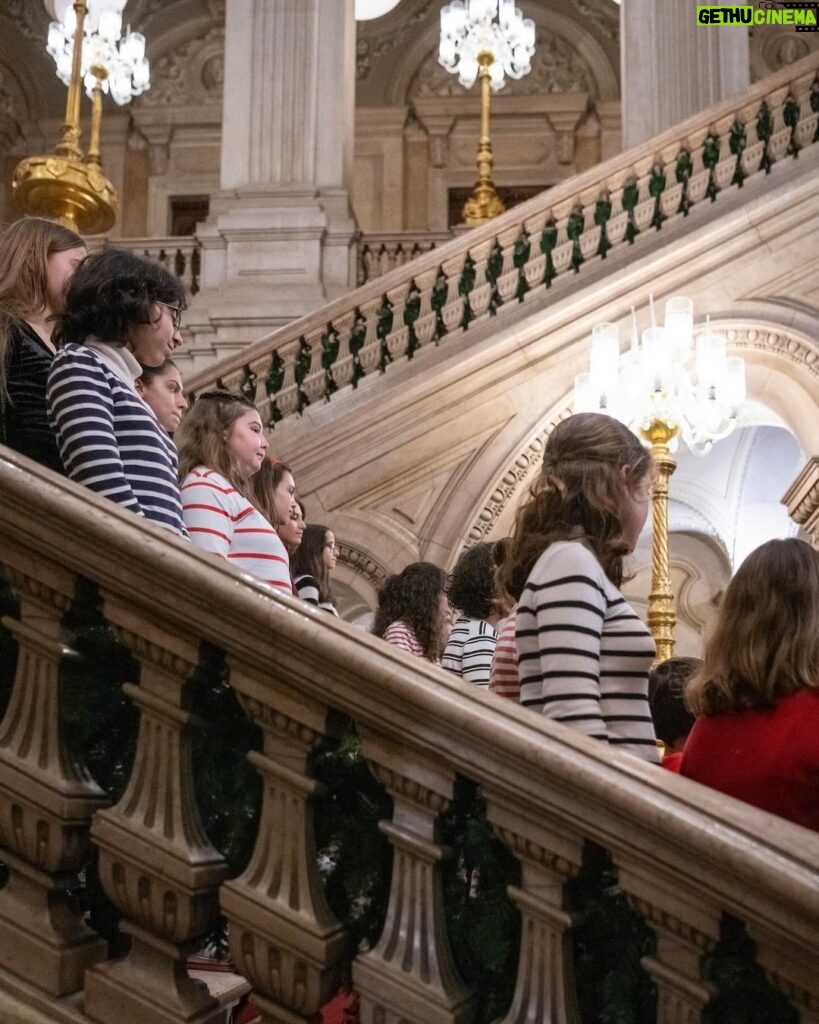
766, 642
25, 247
581, 491
201, 437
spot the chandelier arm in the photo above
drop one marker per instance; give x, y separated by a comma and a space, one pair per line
69, 143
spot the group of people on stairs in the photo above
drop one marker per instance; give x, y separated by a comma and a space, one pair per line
88, 387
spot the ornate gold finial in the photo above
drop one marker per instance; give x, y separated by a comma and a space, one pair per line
66, 185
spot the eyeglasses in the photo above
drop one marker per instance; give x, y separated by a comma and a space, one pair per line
176, 313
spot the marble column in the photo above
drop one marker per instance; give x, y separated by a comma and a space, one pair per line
279, 239
671, 67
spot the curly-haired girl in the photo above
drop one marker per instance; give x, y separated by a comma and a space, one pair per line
37, 259
413, 610
121, 310
583, 654
473, 637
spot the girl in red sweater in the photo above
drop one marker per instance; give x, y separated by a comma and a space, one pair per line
757, 693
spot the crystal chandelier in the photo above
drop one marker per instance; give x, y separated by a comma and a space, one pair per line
694, 387
470, 28
486, 39
667, 389
110, 61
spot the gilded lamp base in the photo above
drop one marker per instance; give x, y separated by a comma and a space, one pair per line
68, 190
484, 204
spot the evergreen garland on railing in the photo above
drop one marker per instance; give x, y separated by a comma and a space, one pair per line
602, 216
329, 353
710, 159
465, 286
737, 140
683, 172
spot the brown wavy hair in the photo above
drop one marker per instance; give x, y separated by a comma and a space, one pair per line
25, 247
200, 437
412, 597
263, 484
766, 642
580, 491
309, 559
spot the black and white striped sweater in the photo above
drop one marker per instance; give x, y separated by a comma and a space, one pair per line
583, 654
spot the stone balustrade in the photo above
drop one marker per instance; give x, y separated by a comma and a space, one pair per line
182, 254
531, 252
378, 254
688, 859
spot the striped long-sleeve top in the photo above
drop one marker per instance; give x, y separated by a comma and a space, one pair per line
469, 650
24, 424
307, 588
109, 439
583, 654
221, 520
503, 672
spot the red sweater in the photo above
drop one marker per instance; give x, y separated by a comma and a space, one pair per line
768, 758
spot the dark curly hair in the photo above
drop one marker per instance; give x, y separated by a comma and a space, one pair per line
111, 292
413, 597
581, 490
666, 697
471, 589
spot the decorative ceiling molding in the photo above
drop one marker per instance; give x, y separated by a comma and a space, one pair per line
361, 563
193, 74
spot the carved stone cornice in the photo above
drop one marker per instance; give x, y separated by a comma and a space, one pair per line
802, 499
362, 563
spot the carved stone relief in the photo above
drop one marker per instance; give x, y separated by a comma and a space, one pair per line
556, 67
370, 48
193, 74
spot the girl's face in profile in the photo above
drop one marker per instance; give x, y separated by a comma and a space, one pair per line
247, 442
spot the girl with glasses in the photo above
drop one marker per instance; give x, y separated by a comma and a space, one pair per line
312, 565
37, 259
116, 320
222, 446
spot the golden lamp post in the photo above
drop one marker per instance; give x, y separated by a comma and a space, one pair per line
667, 389
87, 45
486, 39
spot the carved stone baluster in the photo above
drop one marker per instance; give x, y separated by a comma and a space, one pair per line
410, 974
686, 927
46, 803
549, 857
788, 958
156, 863
283, 937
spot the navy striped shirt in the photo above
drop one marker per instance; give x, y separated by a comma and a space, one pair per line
583, 654
109, 439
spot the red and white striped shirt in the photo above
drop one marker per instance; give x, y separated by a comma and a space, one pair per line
222, 521
400, 635
503, 672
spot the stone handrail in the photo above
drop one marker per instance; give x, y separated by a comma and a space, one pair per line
378, 254
684, 855
535, 246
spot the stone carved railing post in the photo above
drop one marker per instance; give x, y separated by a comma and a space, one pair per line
46, 802
548, 857
283, 937
687, 928
156, 863
410, 974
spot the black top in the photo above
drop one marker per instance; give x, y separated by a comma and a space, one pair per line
24, 422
